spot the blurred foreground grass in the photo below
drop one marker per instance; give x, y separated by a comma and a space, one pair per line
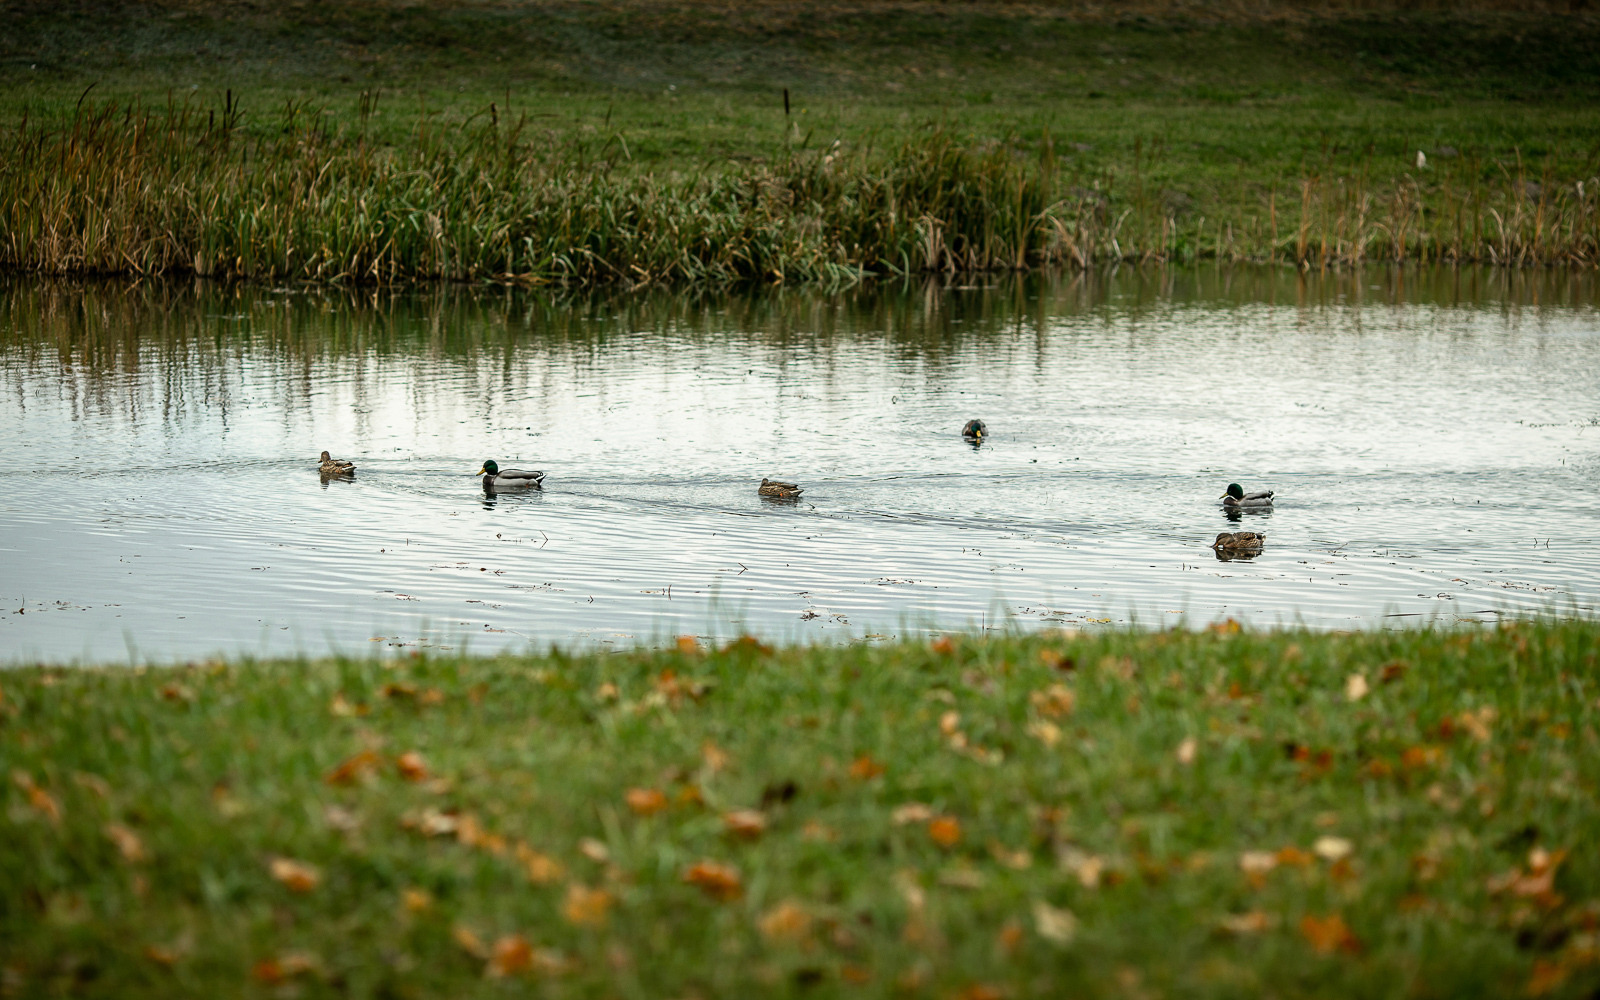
1174, 814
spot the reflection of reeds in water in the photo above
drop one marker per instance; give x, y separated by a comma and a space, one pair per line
116, 326
123, 190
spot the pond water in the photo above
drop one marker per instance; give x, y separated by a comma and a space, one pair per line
1433, 439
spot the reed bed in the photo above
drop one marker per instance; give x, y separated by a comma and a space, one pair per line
123, 190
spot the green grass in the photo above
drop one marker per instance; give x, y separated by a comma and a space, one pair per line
1151, 814
652, 142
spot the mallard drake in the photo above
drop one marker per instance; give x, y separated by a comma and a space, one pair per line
494, 478
783, 491
974, 429
1237, 497
334, 467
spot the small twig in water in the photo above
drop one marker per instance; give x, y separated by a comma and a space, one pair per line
742, 568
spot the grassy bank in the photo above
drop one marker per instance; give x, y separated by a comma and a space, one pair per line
654, 141
1171, 814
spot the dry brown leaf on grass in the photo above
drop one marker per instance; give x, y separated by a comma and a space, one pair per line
128, 843
747, 824
788, 922
719, 881
1020, 859
289, 965
945, 831
715, 757
950, 723
1332, 848
511, 954
1187, 750
1329, 934
911, 812
981, 991
355, 768
40, 800
1254, 922
586, 907
645, 801
942, 645
1294, 857
1054, 701
416, 900
1009, 941
411, 766
864, 768
1054, 924
297, 876
468, 941
1047, 733
542, 869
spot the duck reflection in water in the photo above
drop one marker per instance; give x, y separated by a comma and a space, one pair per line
1238, 545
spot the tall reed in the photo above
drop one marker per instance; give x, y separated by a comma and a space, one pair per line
120, 189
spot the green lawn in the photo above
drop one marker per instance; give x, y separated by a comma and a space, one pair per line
1288, 133
1173, 814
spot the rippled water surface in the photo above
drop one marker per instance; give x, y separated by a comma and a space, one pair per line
1434, 441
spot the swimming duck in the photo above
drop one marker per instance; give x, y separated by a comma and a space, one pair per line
334, 467
974, 429
1242, 545
783, 491
1237, 497
494, 478
1235, 541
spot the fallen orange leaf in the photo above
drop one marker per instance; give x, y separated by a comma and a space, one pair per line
1546, 977
981, 991
1294, 856
468, 941
542, 868
716, 759
412, 766
296, 875
864, 768
128, 842
911, 812
1253, 922
746, 823
1328, 934
42, 801
688, 645
855, 975
945, 831
942, 645
1009, 940
586, 907
160, 954
1054, 701
268, 971
719, 881
645, 801
355, 768
417, 900
512, 954
787, 922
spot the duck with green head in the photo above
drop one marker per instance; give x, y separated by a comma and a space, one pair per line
1237, 498
496, 478
974, 430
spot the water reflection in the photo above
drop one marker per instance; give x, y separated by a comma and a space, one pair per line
1420, 428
